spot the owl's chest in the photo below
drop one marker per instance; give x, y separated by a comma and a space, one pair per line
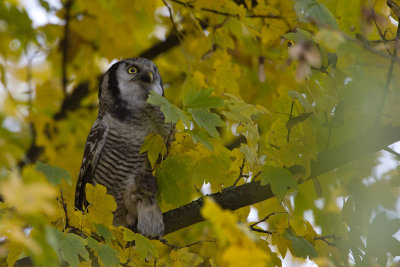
137, 127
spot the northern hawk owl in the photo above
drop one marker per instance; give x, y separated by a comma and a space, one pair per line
111, 156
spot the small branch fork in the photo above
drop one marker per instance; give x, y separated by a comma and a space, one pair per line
324, 238
252, 226
165, 242
241, 175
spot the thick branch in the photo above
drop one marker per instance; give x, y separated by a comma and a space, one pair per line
237, 197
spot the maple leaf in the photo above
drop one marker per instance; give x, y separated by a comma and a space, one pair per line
101, 205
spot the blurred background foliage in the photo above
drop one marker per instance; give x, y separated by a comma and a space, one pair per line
255, 86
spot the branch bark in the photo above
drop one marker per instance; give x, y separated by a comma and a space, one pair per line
233, 198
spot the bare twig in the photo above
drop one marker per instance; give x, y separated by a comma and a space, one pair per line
267, 217
382, 35
172, 18
382, 41
226, 13
260, 231
165, 242
255, 176
64, 206
394, 153
240, 174
324, 238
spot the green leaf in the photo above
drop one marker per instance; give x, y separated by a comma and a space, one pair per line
302, 100
143, 245
71, 246
202, 99
240, 111
200, 136
204, 118
279, 179
299, 35
380, 238
301, 247
154, 146
93, 244
45, 5
108, 255
174, 180
312, 10
171, 112
53, 174
104, 232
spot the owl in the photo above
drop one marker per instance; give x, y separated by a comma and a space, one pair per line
112, 155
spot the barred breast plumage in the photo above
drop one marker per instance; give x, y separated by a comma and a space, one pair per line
112, 153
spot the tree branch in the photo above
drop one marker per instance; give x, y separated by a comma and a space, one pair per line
241, 196
226, 13
67, 7
233, 198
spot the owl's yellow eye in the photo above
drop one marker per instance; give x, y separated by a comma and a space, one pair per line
132, 70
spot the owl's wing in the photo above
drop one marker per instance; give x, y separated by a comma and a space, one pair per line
93, 147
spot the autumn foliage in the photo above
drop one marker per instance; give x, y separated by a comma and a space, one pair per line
281, 107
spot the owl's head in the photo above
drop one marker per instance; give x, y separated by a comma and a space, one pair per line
129, 81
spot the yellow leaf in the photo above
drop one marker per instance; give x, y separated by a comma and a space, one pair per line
330, 39
101, 204
310, 234
199, 79
81, 221
263, 10
279, 240
272, 31
16, 235
85, 264
238, 255
183, 257
48, 96
15, 251
154, 146
223, 222
177, 263
32, 198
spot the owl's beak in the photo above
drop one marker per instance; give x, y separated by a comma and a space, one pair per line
147, 77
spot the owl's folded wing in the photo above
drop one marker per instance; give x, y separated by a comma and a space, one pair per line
93, 147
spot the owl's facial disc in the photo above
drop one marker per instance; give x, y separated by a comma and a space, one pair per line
135, 82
